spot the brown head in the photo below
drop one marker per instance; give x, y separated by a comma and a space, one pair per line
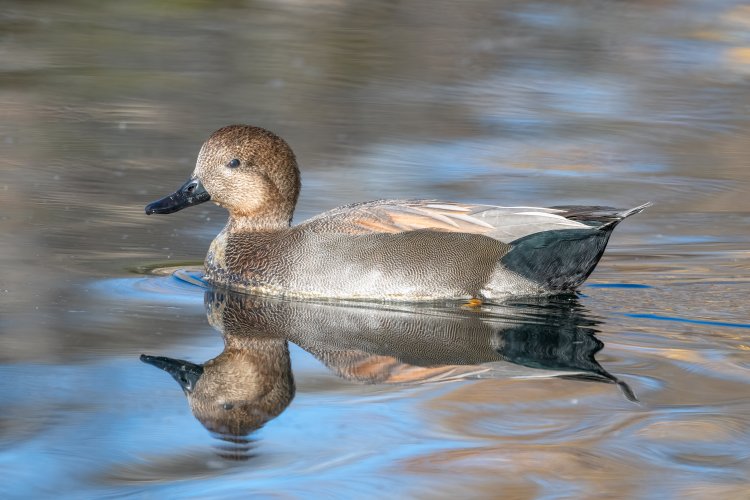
242, 389
247, 170
238, 391
245, 386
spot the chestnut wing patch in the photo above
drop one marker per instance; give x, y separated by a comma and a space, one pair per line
395, 216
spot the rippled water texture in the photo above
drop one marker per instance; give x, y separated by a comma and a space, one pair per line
639, 387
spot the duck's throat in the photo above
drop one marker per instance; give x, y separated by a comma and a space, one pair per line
216, 259
241, 253
256, 222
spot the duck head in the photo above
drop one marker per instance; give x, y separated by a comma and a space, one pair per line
247, 170
238, 391
245, 386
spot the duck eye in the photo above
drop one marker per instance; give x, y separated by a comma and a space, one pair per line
227, 406
234, 163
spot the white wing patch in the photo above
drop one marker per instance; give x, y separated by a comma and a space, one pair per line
450, 208
471, 220
544, 214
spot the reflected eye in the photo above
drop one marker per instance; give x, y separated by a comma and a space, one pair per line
234, 163
227, 406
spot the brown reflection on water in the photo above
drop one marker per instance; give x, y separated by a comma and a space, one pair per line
527, 442
251, 381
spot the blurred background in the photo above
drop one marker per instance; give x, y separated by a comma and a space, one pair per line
104, 106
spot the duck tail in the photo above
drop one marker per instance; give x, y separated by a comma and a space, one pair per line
562, 259
619, 216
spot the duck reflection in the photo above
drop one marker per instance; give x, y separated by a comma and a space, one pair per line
251, 381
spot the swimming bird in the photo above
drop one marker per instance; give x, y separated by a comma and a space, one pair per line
251, 381
393, 250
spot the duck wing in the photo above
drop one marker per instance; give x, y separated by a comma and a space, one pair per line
505, 224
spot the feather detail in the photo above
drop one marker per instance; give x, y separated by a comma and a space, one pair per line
505, 224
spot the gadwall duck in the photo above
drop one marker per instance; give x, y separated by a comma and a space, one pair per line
251, 381
408, 250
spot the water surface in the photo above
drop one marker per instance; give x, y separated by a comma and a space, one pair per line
517, 103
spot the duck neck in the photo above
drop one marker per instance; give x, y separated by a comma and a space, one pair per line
256, 343
257, 222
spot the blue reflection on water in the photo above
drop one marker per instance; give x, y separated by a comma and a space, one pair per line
688, 320
135, 412
180, 287
619, 285
111, 420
